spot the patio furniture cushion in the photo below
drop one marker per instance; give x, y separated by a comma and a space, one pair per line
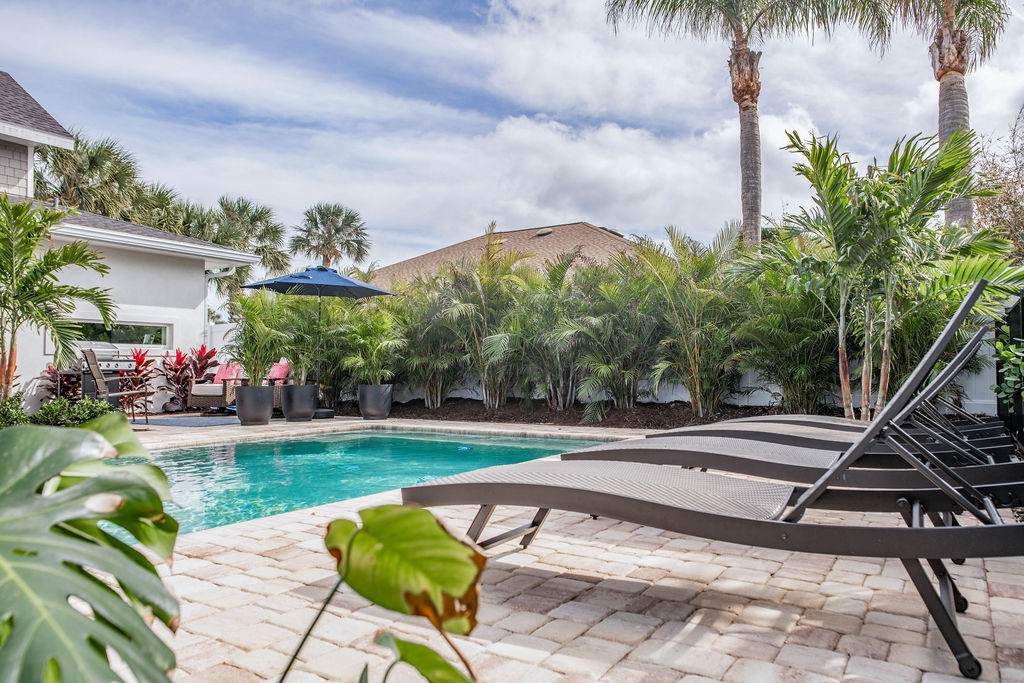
208, 389
278, 371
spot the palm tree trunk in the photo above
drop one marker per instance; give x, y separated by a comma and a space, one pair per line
5, 389
883, 377
950, 57
10, 367
866, 369
844, 363
746, 86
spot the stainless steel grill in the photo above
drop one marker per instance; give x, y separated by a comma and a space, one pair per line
108, 356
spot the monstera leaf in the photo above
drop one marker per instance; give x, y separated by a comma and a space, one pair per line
403, 559
58, 614
428, 663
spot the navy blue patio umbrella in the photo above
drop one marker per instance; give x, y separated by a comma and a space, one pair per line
319, 281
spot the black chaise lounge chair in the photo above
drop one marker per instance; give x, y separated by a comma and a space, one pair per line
746, 449
768, 514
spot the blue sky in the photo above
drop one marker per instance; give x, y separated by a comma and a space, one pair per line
434, 117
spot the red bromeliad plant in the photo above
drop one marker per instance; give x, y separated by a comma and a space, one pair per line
62, 384
178, 372
145, 371
203, 361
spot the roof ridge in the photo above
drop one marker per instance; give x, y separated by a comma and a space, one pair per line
19, 108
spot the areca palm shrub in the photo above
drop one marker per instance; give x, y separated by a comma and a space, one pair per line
786, 336
617, 335
432, 358
31, 293
477, 297
338, 316
258, 338
699, 311
529, 336
374, 342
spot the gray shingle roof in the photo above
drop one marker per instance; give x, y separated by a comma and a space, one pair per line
541, 244
95, 220
19, 108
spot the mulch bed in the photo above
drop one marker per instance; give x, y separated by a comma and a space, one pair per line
644, 416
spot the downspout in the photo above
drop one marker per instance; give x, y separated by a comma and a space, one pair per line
212, 275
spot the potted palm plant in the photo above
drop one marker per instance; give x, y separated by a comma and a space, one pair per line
302, 347
256, 343
374, 342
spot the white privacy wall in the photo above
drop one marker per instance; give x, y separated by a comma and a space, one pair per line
977, 388
148, 288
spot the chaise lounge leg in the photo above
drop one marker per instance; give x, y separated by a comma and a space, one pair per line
527, 531
944, 619
952, 598
538, 520
480, 521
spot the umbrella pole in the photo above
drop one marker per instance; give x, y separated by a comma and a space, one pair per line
320, 338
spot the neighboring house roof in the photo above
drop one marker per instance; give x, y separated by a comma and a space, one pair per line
23, 120
94, 228
542, 244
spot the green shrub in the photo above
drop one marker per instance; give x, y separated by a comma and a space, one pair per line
56, 413
11, 413
62, 413
88, 409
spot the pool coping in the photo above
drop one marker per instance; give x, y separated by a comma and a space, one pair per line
163, 438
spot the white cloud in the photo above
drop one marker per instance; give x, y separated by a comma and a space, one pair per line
577, 122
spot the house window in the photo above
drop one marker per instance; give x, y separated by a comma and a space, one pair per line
133, 334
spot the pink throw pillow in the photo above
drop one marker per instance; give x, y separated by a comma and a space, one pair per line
226, 371
278, 371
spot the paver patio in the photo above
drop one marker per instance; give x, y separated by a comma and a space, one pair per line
591, 599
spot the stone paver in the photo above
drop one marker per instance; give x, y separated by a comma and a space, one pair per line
591, 599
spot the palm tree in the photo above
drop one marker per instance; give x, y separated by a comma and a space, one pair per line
31, 293
98, 176
157, 205
743, 23
237, 223
330, 232
964, 34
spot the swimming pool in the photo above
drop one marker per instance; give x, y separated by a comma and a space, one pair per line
217, 485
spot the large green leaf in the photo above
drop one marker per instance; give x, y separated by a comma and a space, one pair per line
116, 429
403, 559
428, 663
57, 617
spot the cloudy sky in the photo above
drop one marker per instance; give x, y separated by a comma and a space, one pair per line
434, 117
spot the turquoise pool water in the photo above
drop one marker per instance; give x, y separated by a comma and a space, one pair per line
217, 485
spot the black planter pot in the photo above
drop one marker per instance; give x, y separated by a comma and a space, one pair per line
255, 404
299, 402
374, 401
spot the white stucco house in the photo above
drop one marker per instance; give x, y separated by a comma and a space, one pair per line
160, 281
